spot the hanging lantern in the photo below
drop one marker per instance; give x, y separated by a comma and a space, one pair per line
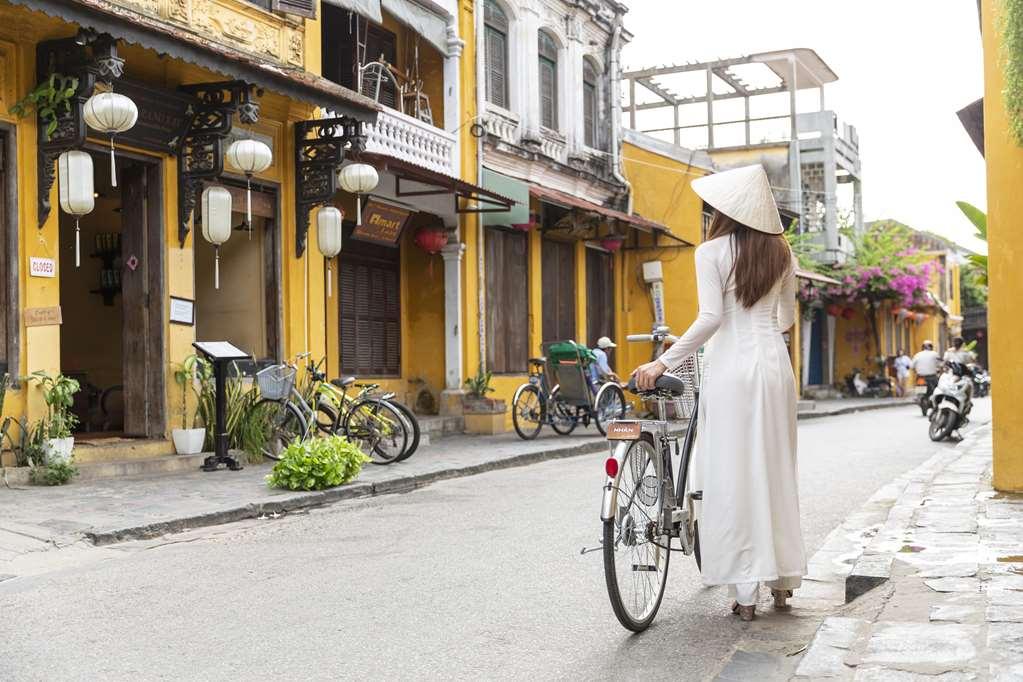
431, 239
920, 317
834, 310
328, 236
358, 178
250, 157
896, 310
77, 197
848, 314
216, 223
612, 242
110, 113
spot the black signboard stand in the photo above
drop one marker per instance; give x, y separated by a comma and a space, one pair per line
220, 354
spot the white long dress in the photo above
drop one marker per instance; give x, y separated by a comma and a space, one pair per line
745, 451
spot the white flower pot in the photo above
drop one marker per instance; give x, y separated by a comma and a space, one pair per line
188, 441
58, 450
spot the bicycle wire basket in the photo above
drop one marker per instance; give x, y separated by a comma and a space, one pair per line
690, 372
275, 382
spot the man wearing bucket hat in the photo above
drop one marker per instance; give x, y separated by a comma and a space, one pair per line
745, 453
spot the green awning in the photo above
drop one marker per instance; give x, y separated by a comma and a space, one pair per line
513, 189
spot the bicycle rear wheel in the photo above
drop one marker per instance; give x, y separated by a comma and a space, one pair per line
282, 424
563, 418
412, 426
608, 406
635, 551
377, 427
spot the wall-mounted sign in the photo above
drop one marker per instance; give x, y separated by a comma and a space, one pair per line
182, 311
381, 223
43, 317
42, 267
162, 116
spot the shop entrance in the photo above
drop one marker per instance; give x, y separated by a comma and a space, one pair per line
558, 280
112, 334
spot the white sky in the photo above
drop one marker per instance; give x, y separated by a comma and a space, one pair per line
904, 67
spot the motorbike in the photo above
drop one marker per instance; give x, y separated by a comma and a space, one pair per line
877, 385
924, 388
981, 380
951, 402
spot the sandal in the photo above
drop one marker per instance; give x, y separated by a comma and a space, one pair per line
780, 598
745, 613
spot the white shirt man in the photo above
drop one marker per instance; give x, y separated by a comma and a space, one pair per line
927, 362
600, 352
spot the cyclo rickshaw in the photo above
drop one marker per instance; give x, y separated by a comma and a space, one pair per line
561, 394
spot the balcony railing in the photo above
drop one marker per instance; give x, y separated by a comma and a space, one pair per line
412, 140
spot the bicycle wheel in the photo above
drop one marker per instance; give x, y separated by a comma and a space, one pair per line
411, 426
528, 411
635, 551
282, 423
326, 418
376, 426
562, 418
609, 405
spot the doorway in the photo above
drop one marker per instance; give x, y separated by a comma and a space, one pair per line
558, 282
600, 295
111, 338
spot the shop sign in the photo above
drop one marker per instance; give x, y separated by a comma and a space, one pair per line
42, 267
182, 311
381, 223
43, 317
162, 116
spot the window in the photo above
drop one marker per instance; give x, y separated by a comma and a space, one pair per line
341, 33
548, 81
496, 53
369, 308
507, 266
590, 104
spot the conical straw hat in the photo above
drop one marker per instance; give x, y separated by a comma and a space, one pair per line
744, 195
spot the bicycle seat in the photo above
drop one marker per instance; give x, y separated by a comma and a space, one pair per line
537, 361
343, 383
665, 383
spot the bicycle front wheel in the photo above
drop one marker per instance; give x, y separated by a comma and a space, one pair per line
377, 427
528, 411
411, 422
635, 549
282, 424
608, 406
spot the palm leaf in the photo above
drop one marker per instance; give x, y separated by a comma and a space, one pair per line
976, 216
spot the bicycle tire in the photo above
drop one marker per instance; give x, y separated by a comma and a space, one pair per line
326, 417
382, 438
283, 425
520, 428
599, 416
696, 546
412, 423
562, 420
624, 529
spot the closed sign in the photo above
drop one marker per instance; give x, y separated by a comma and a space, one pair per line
42, 267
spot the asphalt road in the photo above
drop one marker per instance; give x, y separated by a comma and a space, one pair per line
474, 578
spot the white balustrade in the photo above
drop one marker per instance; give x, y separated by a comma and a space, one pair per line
409, 139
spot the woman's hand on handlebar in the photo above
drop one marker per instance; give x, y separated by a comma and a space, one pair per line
646, 375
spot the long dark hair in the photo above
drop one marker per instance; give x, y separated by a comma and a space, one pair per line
760, 258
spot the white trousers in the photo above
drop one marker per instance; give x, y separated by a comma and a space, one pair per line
746, 593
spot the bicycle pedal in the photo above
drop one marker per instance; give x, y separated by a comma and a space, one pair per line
696, 495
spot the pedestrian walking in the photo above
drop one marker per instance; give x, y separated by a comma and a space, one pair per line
902, 365
745, 451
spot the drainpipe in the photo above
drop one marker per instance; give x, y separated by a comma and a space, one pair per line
480, 108
616, 111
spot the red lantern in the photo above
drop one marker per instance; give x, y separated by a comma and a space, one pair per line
612, 242
848, 314
431, 239
896, 310
834, 310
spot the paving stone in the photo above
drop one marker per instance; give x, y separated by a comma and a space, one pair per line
1005, 597
949, 570
751, 665
878, 674
1012, 672
826, 655
956, 613
953, 584
1005, 581
1004, 613
921, 647
1005, 640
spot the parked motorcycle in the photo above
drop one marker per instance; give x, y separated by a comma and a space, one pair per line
951, 402
873, 386
981, 380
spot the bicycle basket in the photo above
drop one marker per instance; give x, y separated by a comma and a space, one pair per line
689, 371
275, 382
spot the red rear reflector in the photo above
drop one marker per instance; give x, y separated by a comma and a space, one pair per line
611, 467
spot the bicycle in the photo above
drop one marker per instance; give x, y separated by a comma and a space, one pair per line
647, 500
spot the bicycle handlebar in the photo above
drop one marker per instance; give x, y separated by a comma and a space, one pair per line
657, 338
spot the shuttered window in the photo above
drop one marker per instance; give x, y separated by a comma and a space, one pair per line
548, 81
8, 271
496, 53
369, 300
558, 281
589, 104
303, 8
507, 268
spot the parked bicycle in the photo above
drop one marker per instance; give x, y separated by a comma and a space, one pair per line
648, 499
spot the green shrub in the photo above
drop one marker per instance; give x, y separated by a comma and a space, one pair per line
58, 473
316, 464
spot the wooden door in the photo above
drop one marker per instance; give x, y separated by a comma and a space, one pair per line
600, 297
558, 278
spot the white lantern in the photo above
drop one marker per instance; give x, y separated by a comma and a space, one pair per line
216, 222
77, 196
250, 157
328, 236
358, 178
110, 113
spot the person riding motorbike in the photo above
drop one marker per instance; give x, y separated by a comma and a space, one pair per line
926, 364
957, 353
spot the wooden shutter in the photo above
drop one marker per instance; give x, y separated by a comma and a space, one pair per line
590, 114
548, 94
369, 303
558, 280
303, 8
497, 67
600, 298
382, 45
507, 299
5, 263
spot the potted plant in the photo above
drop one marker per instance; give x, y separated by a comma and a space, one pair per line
58, 392
482, 414
187, 441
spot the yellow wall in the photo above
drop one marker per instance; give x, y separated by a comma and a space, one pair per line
1005, 204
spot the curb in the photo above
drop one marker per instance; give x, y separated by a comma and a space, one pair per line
855, 408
